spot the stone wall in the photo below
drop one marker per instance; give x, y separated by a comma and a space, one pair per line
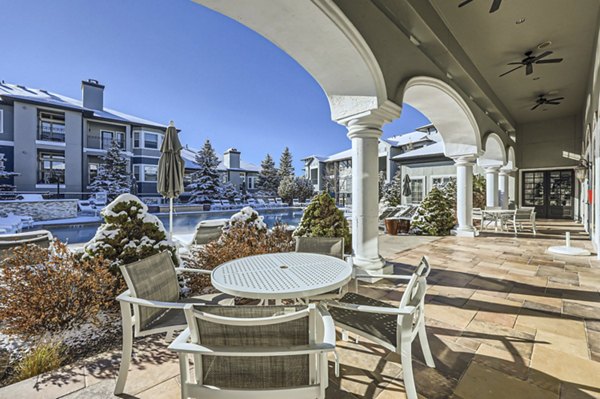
41, 210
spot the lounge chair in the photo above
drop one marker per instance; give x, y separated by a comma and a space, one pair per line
26, 221
267, 352
332, 246
296, 203
11, 224
226, 204
252, 202
216, 205
393, 327
392, 210
279, 202
271, 203
8, 242
261, 203
152, 304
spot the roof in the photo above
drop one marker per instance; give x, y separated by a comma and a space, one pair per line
189, 155
9, 91
412, 137
433, 150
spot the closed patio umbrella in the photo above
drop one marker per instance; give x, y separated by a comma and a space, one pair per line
170, 170
406, 191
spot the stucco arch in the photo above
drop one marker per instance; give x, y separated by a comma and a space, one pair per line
511, 160
448, 112
494, 151
322, 39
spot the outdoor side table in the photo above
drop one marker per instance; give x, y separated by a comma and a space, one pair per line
286, 275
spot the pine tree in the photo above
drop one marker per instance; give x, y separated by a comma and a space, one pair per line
206, 182
268, 178
6, 175
393, 190
228, 191
113, 175
435, 214
381, 184
285, 164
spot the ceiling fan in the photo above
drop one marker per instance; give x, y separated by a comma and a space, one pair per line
531, 59
541, 100
494, 8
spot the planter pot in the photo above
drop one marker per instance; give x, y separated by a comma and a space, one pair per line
404, 226
392, 226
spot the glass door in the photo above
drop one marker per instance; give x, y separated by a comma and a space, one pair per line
550, 192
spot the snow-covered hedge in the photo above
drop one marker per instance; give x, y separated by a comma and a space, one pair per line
129, 233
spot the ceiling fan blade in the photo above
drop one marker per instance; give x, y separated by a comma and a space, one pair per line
550, 61
464, 3
515, 63
528, 69
514, 69
495, 6
543, 55
535, 106
556, 99
552, 102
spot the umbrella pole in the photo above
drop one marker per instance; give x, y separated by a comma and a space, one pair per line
171, 219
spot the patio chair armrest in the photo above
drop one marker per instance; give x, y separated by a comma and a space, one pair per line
405, 311
328, 326
125, 297
186, 347
189, 270
386, 276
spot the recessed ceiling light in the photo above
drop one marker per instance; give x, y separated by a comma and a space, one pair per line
520, 21
536, 78
544, 44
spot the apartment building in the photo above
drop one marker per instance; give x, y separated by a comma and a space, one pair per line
56, 142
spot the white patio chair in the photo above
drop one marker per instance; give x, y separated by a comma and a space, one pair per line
252, 202
11, 224
255, 352
226, 204
521, 217
26, 221
332, 246
152, 304
279, 202
216, 205
296, 202
271, 203
484, 219
395, 328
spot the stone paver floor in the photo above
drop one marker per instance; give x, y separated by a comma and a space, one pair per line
504, 320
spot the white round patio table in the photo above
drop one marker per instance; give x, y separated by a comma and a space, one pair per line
497, 215
284, 275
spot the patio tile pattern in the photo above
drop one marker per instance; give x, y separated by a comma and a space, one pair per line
504, 319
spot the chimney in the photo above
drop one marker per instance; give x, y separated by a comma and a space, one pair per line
92, 94
231, 159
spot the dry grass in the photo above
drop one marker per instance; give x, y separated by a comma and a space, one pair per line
43, 358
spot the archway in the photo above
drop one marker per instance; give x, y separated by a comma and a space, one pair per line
494, 158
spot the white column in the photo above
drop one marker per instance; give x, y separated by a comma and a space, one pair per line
365, 134
491, 186
464, 196
503, 178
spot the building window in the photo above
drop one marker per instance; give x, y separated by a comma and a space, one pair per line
51, 126
51, 167
92, 171
251, 182
136, 140
417, 189
314, 176
440, 181
150, 173
108, 137
151, 140
136, 172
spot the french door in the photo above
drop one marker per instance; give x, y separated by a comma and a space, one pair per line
550, 192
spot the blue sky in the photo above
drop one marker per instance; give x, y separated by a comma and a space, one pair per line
174, 59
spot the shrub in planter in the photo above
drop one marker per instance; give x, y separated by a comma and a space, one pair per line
129, 233
50, 289
245, 234
322, 218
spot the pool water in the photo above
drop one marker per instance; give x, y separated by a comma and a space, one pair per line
183, 223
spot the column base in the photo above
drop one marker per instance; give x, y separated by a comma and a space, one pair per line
464, 232
371, 266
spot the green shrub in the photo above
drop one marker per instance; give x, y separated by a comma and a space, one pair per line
322, 218
50, 289
129, 233
435, 214
41, 359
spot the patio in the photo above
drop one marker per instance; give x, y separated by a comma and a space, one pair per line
504, 319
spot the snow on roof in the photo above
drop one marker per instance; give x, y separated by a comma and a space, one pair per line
317, 157
45, 97
189, 155
429, 150
412, 137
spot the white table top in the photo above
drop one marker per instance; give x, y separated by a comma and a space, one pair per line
498, 210
281, 276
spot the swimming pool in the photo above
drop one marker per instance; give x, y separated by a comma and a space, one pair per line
183, 223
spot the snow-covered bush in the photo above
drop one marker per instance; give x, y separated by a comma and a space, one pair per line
129, 233
435, 214
51, 289
392, 192
322, 218
245, 234
228, 191
295, 187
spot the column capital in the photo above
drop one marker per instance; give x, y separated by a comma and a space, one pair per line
369, 124
492, 168
465, 160
507, 172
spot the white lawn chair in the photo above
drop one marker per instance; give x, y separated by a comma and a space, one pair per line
205, 232
216, 205
521, 217
395, 328
252, 202
261, 203
26, 221
296, 203
152, 304
279, 202
226, 204
99, 199
271, 203
256, 352
11, 224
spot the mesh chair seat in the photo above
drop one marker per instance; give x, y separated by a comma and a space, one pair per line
379, 326
176, 317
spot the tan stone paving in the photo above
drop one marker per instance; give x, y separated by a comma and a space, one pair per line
504, 319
